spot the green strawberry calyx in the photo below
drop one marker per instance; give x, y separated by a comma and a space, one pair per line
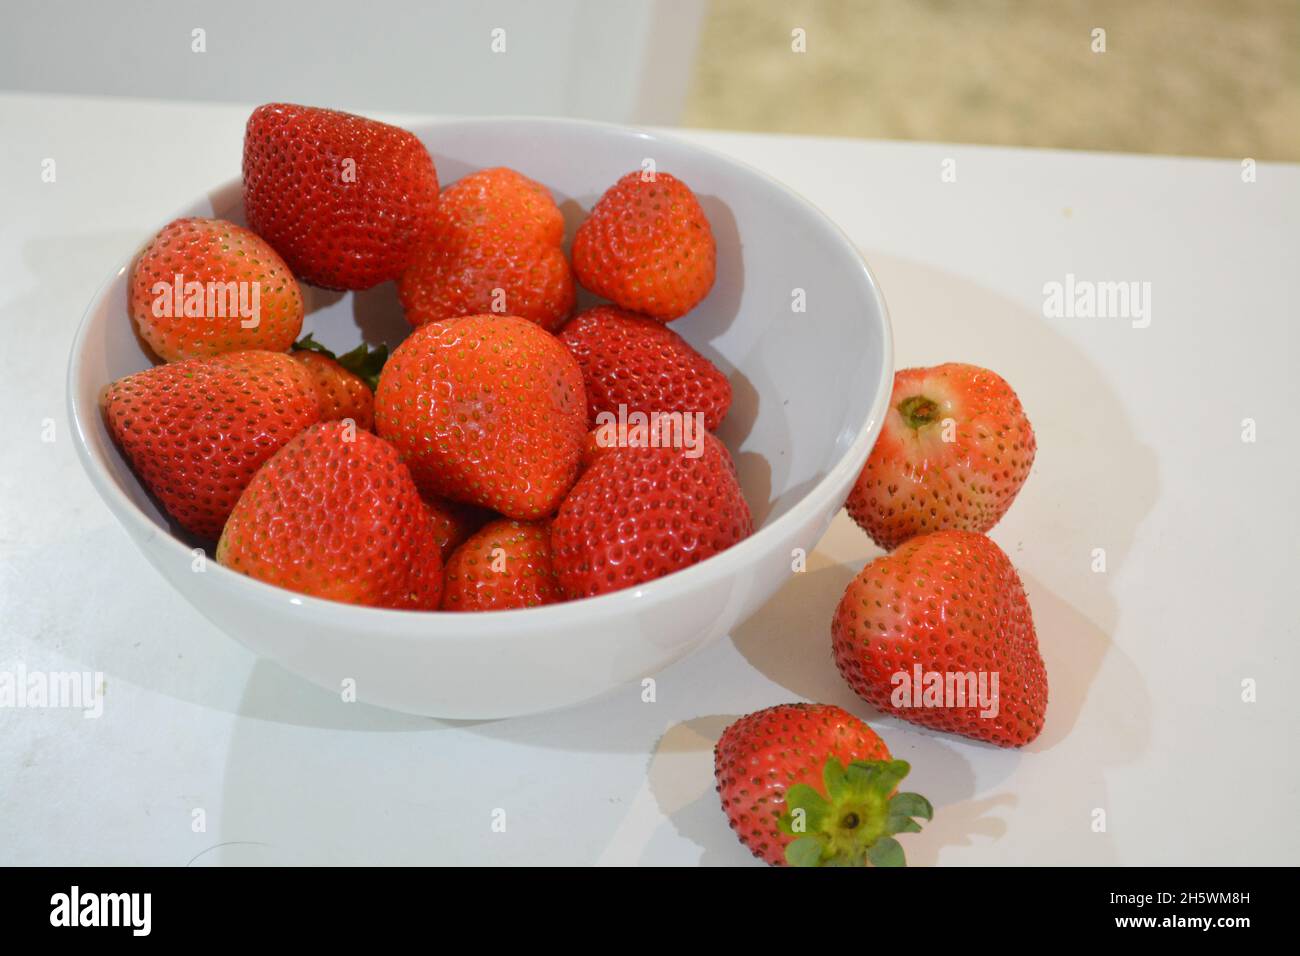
855, 821
363, 361
918, 411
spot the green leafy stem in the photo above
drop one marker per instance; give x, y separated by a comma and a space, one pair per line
855, 822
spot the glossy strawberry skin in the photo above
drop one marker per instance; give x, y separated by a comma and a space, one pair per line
495, 247
762, 755
454, 522
647, 247
599, 441
952, 602
637, 514
344, 199
196, 431
335, 514
505, 565
954, 452
638, 363
486, 410
342, 395
215, 254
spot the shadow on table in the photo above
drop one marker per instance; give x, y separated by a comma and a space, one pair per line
310, 780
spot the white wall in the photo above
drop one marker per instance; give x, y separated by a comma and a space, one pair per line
621, 60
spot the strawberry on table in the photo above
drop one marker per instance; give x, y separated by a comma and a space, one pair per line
637, 514
486, 410
196, 431
949, 603
206, 286
335, 514
631, 361
954, 451
495, 247
647, 246
812, 785
345, 384
505, 565
342, 198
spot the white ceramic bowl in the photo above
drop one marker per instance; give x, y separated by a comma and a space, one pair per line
810, 393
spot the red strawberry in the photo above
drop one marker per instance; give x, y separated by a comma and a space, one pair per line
206, 286
345, 384
811, 785
453, 522
495, 247
335, 514
631, 361
945, 613
647, 246
601, 440
487, 410
344, 199
955, 449
506, 565
197, 431
637, 514
630, 434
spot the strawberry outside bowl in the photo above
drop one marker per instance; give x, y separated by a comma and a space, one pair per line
811, 388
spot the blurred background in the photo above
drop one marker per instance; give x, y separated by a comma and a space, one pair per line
1186, 77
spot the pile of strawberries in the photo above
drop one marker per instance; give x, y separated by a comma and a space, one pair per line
937, 632
470, 470
477, 468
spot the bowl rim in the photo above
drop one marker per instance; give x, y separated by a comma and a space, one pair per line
425, 624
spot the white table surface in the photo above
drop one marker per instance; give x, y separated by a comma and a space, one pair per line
1140, 453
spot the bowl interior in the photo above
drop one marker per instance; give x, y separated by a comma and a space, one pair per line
794, 319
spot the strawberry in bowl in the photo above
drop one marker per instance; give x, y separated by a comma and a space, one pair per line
338, 529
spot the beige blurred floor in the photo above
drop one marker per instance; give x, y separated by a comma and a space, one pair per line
1187, 77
